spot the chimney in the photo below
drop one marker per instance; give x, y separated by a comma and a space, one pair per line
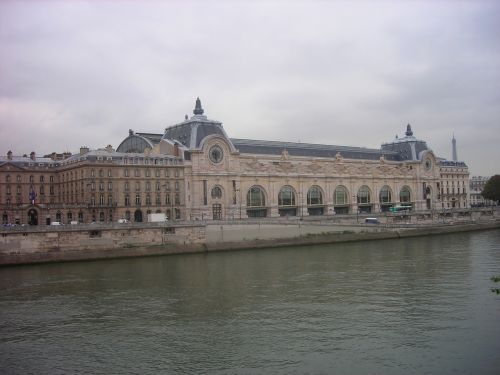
32, 155
9, 155
84, 150
176, 149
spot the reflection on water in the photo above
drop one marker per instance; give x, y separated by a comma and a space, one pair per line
415, 306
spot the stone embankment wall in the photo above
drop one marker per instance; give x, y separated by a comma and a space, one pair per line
24, 245
86, 242
339, 236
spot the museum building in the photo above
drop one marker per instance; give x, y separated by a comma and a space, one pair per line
194, 171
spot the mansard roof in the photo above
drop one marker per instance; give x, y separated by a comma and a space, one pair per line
192, 131
26, 161
408, 147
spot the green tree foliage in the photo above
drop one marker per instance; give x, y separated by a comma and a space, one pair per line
492, 188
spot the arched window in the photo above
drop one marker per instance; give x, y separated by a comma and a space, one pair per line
364, 199
385, 198
385, 195
405, 195
314, 196
314, 201
286, 196
216, 192
364, 195
256, 202
255, 197
340, 196
287, 202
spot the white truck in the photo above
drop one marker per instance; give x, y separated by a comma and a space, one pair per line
156, 218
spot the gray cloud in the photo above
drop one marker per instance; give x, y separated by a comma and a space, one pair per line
353, 73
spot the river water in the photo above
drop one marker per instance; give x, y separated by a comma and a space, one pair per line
411, 306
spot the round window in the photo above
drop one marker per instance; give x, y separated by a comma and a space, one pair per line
215, 154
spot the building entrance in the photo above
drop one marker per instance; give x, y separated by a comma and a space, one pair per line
138, 216
32, 217
217, 211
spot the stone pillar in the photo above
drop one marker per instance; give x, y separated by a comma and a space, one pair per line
273, 212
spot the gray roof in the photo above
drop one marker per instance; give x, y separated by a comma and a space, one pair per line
152, 137
449, 163
249, 146
191, 132
26, 161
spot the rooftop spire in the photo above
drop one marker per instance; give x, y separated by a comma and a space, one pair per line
197, 109
408, 133
454, 148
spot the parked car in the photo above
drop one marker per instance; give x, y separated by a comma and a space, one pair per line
372, 220
123, 221
56, 223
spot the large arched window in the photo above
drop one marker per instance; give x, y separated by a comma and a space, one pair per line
405, 195
256, 202
364, 199
385, 198
134, 143
314, 196
256, 197
364, 195
286, 196
340, 196
341, 200
315, 201
385, 195
287, 202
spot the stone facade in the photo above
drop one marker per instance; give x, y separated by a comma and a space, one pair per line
454, 184
476, 186
194, 171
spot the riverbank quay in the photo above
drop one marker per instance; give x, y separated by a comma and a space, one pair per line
27, 245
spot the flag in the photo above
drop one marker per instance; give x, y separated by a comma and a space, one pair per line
32, 196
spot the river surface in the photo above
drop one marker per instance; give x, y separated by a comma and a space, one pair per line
411, 306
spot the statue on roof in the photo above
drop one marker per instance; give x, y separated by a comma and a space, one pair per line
409, 132
285, 155
198, 110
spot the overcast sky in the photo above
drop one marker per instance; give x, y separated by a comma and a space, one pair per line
76, 73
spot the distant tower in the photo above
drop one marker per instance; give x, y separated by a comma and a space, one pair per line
454, 148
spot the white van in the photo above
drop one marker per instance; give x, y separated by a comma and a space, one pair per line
56, 223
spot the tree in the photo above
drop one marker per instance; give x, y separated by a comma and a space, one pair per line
492, 189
